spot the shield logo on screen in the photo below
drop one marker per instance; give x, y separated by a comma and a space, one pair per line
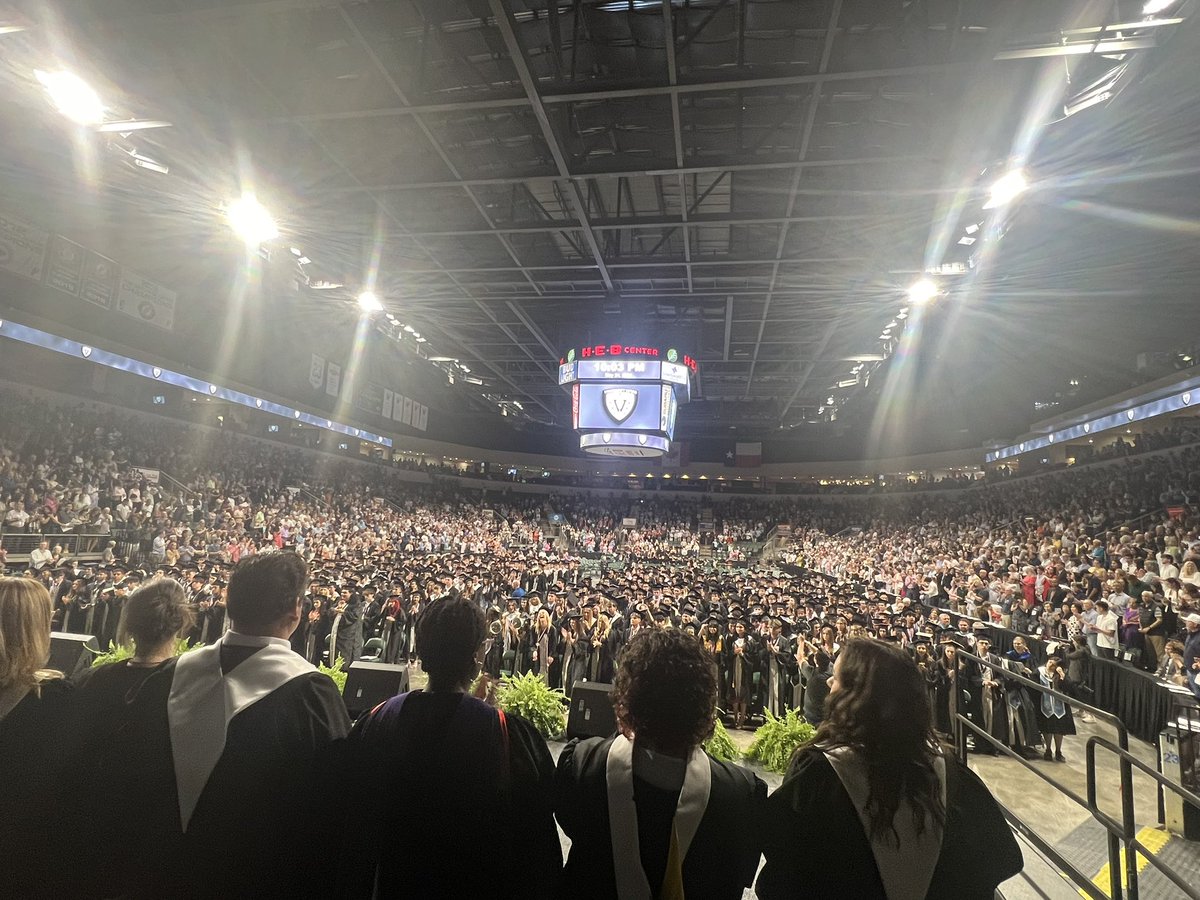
620, 403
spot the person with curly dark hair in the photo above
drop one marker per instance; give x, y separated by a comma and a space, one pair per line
874, 790
433, 771
648, 812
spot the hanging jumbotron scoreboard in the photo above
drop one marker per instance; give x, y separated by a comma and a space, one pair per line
624, 398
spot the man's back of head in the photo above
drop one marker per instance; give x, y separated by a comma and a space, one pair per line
264, 593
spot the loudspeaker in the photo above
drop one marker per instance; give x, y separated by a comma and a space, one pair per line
591, 713
71, 653
370, 683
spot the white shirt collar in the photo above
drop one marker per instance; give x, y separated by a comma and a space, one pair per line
236, 639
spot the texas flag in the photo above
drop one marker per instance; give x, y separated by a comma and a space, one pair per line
745, 455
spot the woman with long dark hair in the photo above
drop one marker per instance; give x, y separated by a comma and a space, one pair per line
874, 791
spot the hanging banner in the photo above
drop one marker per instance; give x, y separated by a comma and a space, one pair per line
406, 418
388, 397
370, 398
101, 276
64, 265
424, 420
141, 298
22, 247
398, 407
316, 372
333, 379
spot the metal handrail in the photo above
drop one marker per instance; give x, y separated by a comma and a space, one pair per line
179, 484
1114, 844
1127, 825
1118, 832
1065, 866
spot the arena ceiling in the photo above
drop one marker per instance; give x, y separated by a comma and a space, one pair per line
765, 176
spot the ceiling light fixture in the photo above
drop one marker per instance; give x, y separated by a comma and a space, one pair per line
72, 96
369, 303
1154, 7
922, 291
1006, 189
251, 221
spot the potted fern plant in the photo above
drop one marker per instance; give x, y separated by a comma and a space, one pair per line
720, 746
777, 739
529, 697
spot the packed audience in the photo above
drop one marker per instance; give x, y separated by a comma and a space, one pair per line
569, 588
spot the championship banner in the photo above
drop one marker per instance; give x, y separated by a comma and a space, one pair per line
141, 298
398, 407
388, 398
333, 379
370, 398
22, 247
101, 277
406, 416
423, 419
316, 372
64, 266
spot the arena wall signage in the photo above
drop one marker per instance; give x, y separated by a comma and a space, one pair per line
625, 397
1135, 413
32, 336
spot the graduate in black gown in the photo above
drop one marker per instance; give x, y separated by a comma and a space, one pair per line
218, 772
648, 812
33, 704
444, 795
152, 621
874, 792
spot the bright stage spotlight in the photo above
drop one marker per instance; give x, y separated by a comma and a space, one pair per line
72, 96
369, 303
1006, 189
251, 221
922, 291
1154, 7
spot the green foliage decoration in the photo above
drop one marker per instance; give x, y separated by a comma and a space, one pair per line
337, 673
119, 653
531, 698
720, 747
777, 739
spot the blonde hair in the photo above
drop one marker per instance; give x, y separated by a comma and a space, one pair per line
25, 613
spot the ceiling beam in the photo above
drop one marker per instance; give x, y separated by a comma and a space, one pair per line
507, 180
386, 75
645, 222
677, 131
826, 337
484, 104
810, 119
728, 326
634, 263
507, 25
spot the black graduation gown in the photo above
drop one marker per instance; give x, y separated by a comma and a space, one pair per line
252, 825
435, 807
30, 841
811, 810
724, 853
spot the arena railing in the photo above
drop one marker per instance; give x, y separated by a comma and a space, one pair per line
1123, 869
20, 544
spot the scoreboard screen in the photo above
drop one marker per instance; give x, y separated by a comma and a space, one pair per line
624, 400
634, 407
